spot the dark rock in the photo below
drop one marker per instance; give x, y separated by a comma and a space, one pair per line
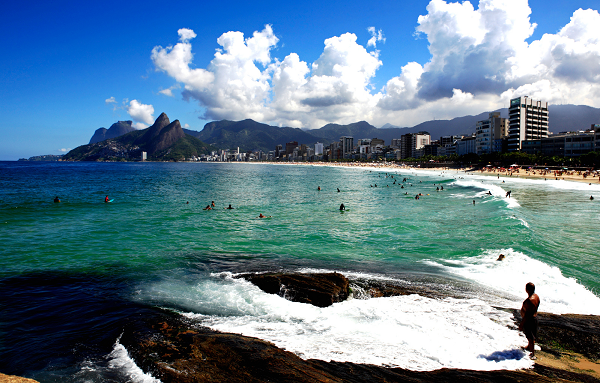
571, 332
320, 290
173, 350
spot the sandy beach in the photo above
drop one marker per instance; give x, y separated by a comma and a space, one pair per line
591, 177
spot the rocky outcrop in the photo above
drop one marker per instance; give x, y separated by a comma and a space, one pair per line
321, 290
175, 350
568, 332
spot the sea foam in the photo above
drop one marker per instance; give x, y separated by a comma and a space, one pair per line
411, 331
559, 294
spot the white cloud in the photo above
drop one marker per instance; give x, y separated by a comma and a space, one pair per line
64, 150
169, 91
375, 37
141, 114
110, 100
480, 57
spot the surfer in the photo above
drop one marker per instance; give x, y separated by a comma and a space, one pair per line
529, 321
489, 192
263, 216
338, 189
106, 199
56, 200
500, 257
207, 207
342, 207
591, 198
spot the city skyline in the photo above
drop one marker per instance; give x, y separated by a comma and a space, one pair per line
73, 68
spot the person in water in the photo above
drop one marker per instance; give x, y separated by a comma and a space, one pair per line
500, 257
106, 199
56, 200
263, 216
529, 321
212, 204
591, 198
342, 207
318, 188
207, 207
339, 189
229, 207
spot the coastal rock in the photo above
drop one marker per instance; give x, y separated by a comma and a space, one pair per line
174, 350
573, 332
320, 290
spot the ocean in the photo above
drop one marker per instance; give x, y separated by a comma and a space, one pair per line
73, 274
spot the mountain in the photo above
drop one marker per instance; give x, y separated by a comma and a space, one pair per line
251, 135
117, 129
163, 141
564, 118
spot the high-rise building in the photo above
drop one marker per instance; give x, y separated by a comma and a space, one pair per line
318, 149
290, 146
487, 131
412, 141
527, 120
347, 144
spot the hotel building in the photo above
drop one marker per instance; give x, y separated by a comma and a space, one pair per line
527, 120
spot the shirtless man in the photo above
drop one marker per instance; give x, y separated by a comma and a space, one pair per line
529, 321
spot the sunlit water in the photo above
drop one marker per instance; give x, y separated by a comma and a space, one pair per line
73, 274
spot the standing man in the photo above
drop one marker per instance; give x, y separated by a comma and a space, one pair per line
529, 321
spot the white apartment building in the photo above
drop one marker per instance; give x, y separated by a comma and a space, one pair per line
527, 120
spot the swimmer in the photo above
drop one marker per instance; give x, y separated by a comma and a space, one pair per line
338, 189
56, 200
229, 207
500, 257
473, 202
207, 207
591, 198
441, 188
342, 207
318, 188
489, 192
212, 203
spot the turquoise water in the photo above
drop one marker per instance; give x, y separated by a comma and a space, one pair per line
155, 246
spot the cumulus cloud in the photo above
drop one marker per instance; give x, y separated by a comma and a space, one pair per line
141, 114
480, 57
484, 52
110, 100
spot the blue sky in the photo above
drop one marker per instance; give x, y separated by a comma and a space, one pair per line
311, 63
